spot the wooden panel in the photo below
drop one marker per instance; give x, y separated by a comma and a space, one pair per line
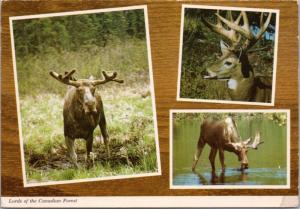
164, 24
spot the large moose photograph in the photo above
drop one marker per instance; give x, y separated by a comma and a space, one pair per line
229, 149
228, 55
85, 96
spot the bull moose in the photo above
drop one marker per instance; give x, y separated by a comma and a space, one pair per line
234, 66
83, 111
222, 135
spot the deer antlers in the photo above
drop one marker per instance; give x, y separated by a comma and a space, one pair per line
236, 30
68, 79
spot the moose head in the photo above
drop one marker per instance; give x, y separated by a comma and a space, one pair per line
241, 149
85, 88
233, 66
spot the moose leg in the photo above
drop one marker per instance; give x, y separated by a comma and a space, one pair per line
71, 150
198, 153
89, 147
104, 133
212, 156
221, 156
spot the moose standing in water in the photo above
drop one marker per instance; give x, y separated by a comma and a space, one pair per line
222, 135
234, 66
83, 111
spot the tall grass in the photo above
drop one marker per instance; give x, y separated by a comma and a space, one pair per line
127, 58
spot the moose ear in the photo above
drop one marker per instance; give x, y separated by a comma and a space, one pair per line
224, 47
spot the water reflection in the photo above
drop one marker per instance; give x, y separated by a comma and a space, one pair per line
221, 179
232, 177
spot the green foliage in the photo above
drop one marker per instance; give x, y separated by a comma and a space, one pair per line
278, 117
71, 33
201, 49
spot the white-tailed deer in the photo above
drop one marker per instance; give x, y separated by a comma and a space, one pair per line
83, 111
233, 66
223, 136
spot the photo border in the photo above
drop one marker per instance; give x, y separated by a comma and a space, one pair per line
288, 142
151, 82
191, 6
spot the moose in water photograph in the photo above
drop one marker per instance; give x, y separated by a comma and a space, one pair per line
85, 96
248, 149
228, 55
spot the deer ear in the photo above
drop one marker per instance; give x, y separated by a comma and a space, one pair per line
224, 47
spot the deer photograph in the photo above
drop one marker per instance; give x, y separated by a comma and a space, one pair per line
228, 55
229, 148
85, 96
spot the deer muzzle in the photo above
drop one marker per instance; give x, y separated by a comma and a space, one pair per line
211, 75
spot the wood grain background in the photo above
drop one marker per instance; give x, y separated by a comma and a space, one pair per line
164, 25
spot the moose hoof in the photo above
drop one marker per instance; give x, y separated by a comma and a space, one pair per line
214, 178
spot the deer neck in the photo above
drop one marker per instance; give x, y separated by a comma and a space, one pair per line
241, 82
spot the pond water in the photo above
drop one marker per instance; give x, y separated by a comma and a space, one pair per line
267, 164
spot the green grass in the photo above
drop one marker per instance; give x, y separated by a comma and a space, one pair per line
128, 111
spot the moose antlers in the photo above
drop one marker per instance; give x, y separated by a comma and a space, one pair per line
108, 78
236, 30
68, 79
256, 141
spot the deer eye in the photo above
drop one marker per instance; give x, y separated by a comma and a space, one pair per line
228, 63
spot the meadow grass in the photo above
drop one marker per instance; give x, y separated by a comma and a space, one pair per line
127, 107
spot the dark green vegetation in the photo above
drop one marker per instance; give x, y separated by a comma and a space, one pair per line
113, 41
201, 48
267, 164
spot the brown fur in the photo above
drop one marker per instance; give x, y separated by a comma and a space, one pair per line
81, 124
220, 136
83, 111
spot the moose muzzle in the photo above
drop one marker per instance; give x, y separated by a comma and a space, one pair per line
90, 106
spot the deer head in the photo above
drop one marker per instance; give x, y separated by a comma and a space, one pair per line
241, 149
233, 66
85, 88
